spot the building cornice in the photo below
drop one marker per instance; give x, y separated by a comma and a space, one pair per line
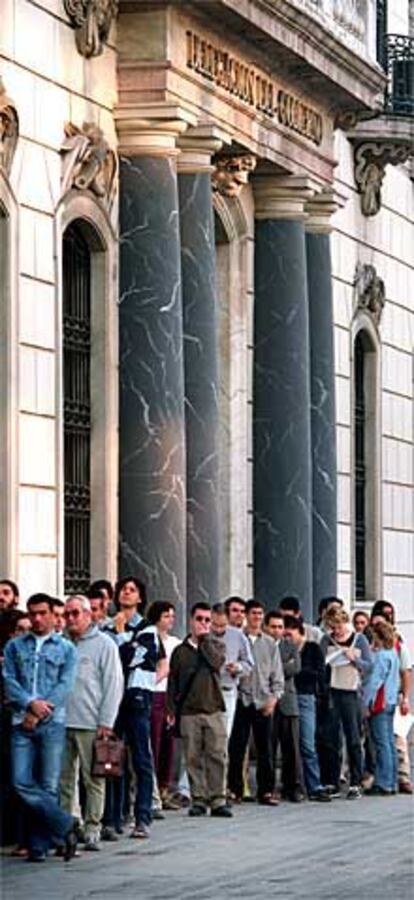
295, 40
314, 45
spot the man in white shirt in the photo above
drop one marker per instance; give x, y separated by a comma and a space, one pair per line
239, 660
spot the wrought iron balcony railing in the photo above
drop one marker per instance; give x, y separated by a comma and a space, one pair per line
398, 62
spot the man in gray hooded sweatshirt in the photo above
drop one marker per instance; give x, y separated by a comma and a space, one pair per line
91, 711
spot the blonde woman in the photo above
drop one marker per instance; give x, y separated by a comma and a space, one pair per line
380, 699
348, 656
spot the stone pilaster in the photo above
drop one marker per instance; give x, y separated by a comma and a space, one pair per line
282, 481
322, 384
198, 261
152, 423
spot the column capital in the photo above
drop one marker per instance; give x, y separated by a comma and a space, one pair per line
198, 145
320, 209
283, 197
151, 129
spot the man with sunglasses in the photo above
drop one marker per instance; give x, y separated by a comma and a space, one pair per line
195, 705
91, 712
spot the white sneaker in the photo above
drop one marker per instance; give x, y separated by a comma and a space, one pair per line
354, 792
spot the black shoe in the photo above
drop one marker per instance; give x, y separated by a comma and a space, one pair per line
223, 812
320, 797
197, 810
71, 842
36, 857
108, 833
377, 791
333, 791
156, 814
296, 797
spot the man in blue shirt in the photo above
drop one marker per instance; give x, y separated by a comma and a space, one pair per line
38, 673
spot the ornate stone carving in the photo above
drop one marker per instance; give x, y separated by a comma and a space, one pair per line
9, 130
88, 161
231, 173
92, 20
370, 291
348, 119
370, 160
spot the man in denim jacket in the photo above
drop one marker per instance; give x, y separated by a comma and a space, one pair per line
38, 672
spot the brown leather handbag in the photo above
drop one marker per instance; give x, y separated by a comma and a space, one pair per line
108, 757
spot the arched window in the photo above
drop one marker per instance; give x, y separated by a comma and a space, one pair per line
88, 392
77, 408
366, 468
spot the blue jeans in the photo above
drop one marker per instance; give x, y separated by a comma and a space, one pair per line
346, 712
307, 742
381, 727
36, 763
137, 722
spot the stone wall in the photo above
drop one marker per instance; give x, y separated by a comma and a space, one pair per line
385, 241
50, 84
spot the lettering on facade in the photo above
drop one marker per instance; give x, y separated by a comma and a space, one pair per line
248, 84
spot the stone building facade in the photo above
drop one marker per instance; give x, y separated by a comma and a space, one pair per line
206, 217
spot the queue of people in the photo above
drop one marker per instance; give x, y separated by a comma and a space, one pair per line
308, 709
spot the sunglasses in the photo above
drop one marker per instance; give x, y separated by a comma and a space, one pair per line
202, 618
75, 613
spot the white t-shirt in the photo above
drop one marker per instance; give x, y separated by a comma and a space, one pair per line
169, 644
39, 644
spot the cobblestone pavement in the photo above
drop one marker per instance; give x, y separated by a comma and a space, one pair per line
334, 851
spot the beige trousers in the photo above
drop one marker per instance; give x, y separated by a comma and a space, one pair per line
204, 739
78, 751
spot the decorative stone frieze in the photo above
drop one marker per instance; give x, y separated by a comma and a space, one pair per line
232, 172
92, 20
369, 292
370, 160
88, 161
9, 130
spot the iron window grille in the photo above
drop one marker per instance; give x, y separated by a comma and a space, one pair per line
76, 409
382, 25
360, 471
398, 62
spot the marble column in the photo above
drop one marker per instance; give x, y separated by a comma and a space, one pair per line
152, 426
282, 482
322, 380
198, 262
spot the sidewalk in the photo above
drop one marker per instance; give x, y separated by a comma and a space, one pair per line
336, 851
